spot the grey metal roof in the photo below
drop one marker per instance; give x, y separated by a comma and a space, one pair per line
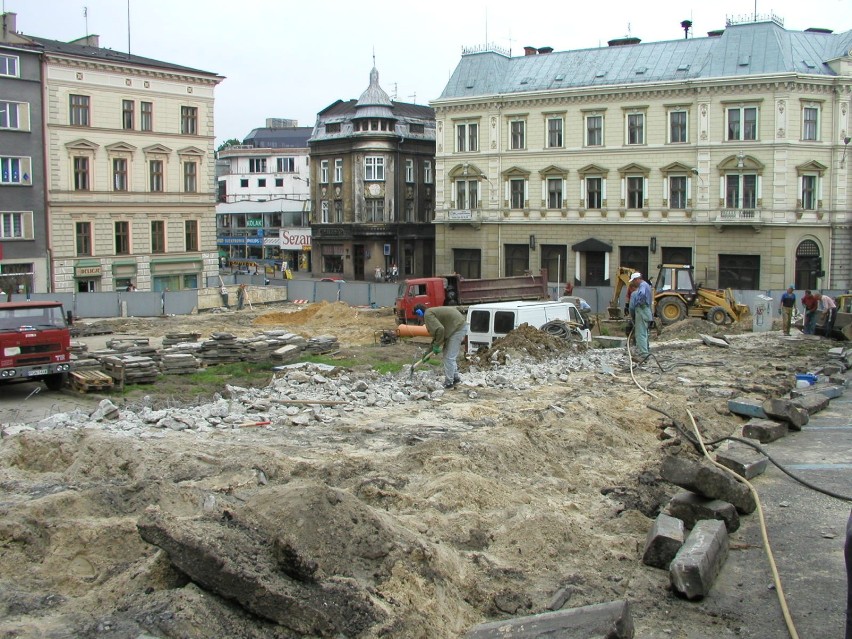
99, 53
745, 49
279, 138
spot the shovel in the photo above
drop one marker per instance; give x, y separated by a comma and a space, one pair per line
420, 360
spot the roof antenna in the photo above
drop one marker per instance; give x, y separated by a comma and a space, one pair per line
128, 27
86, 18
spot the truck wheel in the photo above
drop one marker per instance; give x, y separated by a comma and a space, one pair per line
671, 310
717, 315
55, 382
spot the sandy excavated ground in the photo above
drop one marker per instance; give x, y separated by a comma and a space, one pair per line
486, 503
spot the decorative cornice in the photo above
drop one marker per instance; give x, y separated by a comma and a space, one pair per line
129, 68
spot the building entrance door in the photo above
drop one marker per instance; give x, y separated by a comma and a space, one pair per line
358, 262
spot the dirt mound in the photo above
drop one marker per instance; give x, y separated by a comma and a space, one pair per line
351, 325
695, 326
524, 341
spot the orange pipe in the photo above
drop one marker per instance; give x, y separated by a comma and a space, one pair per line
412, 330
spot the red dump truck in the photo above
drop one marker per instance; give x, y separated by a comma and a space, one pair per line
35, 343
454, 290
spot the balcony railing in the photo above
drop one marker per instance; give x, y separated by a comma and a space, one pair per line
738, 217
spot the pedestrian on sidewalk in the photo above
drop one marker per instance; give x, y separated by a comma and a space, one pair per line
788, 303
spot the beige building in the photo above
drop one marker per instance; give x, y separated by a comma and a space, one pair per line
728, 152
129, 170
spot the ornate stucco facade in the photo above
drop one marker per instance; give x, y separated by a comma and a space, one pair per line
725, 152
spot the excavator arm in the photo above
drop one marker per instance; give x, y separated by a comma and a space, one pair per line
622, 280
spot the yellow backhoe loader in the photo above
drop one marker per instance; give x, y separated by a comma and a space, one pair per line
676, 297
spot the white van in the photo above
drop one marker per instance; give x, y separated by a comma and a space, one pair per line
487, 322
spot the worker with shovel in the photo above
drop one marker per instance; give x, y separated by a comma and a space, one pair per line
447, 327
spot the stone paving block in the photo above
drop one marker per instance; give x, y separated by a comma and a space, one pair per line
691, 508
836, 353
709, 340
764, 430
608, 341
743, 460
699, 561
663, 541
747, 407
707, 480
783, 410
599, 621
831, 392
812, 402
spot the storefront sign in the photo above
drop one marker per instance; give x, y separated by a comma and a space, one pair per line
292, 239
87, 271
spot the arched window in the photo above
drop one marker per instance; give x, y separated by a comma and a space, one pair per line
808, 265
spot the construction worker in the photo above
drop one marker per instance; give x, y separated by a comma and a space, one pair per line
640, 312
241, 296
448, 327
788, 303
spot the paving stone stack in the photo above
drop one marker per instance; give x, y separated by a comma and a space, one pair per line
81, 360
179, 363
132, 369
138, 346
172, 339
322, 344
221, 348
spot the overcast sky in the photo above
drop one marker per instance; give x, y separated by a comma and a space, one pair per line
291, 59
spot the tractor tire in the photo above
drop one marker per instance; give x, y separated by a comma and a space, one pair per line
671, 310
54, 382
717, 315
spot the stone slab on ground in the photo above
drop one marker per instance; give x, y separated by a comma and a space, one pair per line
709, 340
765, 430
608, 341
691, 508
599, 621
746, 406
784, 410
699, 561
664, 539
705, 479
744, 460
812, 402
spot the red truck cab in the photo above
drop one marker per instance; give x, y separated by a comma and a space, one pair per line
35, 343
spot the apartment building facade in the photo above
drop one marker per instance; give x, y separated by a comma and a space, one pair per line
263, 210
727, 152
372, 187
129, 171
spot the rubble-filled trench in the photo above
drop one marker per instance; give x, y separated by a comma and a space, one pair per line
335, 503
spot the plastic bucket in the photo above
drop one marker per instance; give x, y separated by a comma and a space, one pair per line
808, 378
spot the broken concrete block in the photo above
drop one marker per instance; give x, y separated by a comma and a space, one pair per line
811, 402
663, 541
744, 460
747, 407
699, 561
832, 369
691, 508
836, 353
599, 621
709, 340
607, 341
831, 392
764, 430
707, 480
784, 410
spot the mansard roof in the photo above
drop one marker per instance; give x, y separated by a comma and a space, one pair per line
751, 49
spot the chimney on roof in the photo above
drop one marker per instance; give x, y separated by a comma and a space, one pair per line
715, 33
545, 50
530, 51
10, 23
620, 42
91, 40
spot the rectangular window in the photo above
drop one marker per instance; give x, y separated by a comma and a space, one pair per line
517, 134
739, 272
677, 126
127, 114
635, 128
119, 174
15, 171
594, 197
261, 182
14, 115
147, 109
374, 168
516, 192
257, 165
635, 192
122, 238
9, 65
427, 172
285, 165
16, 225
81, 174
467, 137
375, 210
468, 262
338, 171
156, 176
324, 172
554, 133
554, 193
809, 192
517, 262
810, 130
189, 120
594, 130
79, 107
190, 177
324, 212
158, 236
467, 194
243, 183
83, 236
740, 191
677, 192
190, 234
338, 211
742, 123
409, 171
279, 182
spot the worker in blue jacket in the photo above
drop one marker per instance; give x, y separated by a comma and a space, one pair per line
640, 312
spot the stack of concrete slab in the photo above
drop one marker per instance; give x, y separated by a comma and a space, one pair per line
81, 359
322, 344
171, 339
221, 348
179, 363
131, 369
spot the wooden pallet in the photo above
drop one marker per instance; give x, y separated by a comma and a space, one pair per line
88, 381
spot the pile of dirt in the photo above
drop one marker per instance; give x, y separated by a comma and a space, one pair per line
524, 342
351, 325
